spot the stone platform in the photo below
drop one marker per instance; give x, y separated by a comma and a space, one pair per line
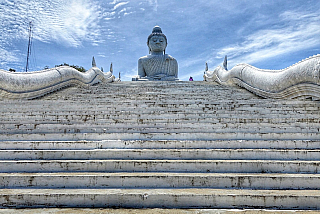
160, 145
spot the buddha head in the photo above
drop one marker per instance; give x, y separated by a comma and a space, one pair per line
157, 41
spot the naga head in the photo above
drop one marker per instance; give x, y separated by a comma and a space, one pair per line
211, 75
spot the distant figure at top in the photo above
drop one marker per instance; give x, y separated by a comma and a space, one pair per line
157, 65
190, 79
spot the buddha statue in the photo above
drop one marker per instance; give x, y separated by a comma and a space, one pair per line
157, 65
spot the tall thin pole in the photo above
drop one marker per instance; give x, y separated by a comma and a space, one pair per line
29, 46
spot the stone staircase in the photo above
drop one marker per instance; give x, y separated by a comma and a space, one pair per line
159, 145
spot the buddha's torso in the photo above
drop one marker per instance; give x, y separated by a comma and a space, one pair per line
155, 65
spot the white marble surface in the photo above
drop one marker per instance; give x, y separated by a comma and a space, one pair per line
299, 80
39, 83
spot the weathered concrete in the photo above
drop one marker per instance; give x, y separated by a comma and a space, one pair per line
200, 166
172, 144
144, 135
161, 144
163, 154
161, 198
148, 211
161, 180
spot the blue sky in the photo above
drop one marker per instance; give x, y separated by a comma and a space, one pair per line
269, 34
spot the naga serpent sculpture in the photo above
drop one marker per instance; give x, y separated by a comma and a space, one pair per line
299, 80
31, 85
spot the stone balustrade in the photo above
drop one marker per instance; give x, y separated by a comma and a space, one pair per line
31, 85
299, 80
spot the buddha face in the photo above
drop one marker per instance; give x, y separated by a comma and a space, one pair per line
157, 44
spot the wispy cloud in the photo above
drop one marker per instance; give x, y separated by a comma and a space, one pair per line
120, 5
7, 56
119, 8
154, 3
299, 31
69, 22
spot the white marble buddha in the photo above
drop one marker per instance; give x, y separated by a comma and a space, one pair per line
157, 65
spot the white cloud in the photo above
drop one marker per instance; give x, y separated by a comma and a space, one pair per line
68, 23
63, 21
300, 32
118, 10
7, 56
123, 10
126, 14
120, 5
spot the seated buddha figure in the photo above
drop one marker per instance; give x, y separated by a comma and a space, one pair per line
157, 65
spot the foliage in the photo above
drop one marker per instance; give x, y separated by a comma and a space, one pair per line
12, 70
79, 68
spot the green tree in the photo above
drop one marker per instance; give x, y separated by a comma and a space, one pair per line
79, 68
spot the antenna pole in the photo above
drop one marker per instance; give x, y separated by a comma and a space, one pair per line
29, 46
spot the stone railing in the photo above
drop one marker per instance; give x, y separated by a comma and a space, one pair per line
31, 85
299, 80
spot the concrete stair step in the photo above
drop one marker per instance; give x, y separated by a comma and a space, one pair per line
164, 93
161, 136
102, 113
146, 109
156, 128
170, 104
173, 105
158, 97
160, 198
127, 122
162, 154
238, 97
165, 118
161, 96
44, 105
149, 211
161, 144
161, 123
160, 180
193, 166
